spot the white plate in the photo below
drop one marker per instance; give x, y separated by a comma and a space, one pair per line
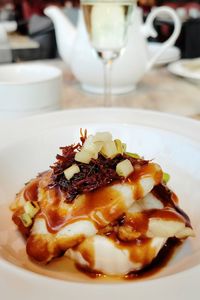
29, 146
187, 68
170, 55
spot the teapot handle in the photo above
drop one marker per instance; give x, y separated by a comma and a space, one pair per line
149, 30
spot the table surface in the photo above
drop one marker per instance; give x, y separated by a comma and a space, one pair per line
159, 90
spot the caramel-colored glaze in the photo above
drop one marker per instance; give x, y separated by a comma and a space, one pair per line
170, 200
44, 249
154, 267
87, 251
101, 207
31, 190
158, 263
140, 221
16, 217
167, 214
140, 249
174, 198
38, 248
93, 274
150, 170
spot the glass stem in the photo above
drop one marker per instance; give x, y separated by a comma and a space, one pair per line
107, 82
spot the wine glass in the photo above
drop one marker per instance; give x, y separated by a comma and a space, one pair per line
107, 25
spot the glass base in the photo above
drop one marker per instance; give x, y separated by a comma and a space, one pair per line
114, 90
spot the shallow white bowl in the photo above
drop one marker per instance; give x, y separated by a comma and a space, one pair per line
28, 87
29, 146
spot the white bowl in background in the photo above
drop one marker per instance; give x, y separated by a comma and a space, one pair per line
29, 88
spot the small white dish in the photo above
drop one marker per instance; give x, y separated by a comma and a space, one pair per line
172, 141
28, 88
170, 55
187, 68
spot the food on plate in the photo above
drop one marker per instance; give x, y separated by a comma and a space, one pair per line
107, 209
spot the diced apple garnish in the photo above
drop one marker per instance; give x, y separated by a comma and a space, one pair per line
89, 144
164, 228
119, 146
109, 149
93, 147
71, 171
102, 137
84, 156
124, 168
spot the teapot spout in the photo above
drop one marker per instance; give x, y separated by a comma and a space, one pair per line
64, 29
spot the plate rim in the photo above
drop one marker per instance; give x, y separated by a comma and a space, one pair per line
68, 117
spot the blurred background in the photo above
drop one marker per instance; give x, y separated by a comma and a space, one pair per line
32, 36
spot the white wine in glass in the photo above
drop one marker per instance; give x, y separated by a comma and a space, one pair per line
107, 25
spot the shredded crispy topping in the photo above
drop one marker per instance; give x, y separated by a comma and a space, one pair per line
98, 173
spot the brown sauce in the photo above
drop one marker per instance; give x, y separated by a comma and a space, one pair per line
169, 199
88, 252
150, 169
158, 263
108, 201
101, 206
104, 205
31, 190
140, 221
140, 250
16, 217
167, 214
90, 273
156, 266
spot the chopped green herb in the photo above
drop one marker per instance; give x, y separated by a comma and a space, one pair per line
166, 177
134, 155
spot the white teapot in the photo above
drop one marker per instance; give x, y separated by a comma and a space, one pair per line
75, 49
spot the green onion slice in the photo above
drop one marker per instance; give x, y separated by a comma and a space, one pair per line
133, 155
166, 177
